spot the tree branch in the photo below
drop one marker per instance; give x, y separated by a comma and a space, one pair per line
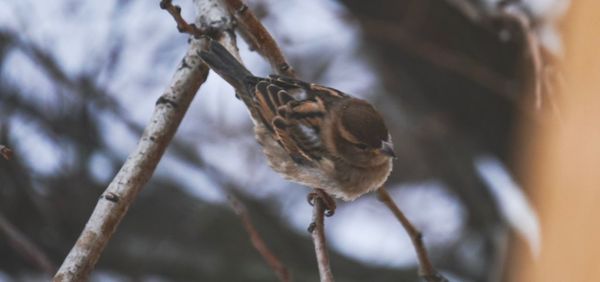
259, 244
317, 231
25, 246
139, 166
426, 269
182, 24
259, 38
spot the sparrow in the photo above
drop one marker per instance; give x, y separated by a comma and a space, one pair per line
311, 134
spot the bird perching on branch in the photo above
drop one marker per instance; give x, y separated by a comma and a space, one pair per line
311, 134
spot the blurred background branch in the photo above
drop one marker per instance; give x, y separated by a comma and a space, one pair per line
25, 247
259, 244
426, 269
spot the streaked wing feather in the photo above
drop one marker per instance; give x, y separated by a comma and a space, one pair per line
288, 142
295, 110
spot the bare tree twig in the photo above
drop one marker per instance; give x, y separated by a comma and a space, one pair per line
259, 38
6, 152
426, 269
25, 246
317, 231
182, 25
259, 244
139, 166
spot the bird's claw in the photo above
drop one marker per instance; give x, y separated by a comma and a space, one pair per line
328, 201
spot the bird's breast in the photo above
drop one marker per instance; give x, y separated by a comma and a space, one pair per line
334, 176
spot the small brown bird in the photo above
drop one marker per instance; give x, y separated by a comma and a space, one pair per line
311, 134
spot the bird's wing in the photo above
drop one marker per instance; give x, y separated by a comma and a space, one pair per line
294, 110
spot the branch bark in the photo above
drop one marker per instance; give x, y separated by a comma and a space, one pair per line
426, 270
317, 231
139, 166
259, 38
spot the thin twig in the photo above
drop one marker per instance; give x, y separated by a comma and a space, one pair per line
182, 24
259, 244
259, 38
317, 231
139, 166
25, 246
6, 152
426, 269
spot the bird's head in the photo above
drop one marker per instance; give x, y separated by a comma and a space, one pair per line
360, 136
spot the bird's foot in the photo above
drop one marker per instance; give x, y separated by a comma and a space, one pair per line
328, 201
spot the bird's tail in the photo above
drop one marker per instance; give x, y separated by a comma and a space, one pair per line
226, 65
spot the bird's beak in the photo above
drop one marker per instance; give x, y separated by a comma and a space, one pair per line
387, 148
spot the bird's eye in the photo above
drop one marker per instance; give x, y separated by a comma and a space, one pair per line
361, 146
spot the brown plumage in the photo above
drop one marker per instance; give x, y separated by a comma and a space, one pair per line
311, 134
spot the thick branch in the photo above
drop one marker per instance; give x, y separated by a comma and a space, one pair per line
139, 166
426, 269
259, 244
259, 38
136, 171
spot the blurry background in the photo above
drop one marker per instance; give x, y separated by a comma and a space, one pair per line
454, 79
